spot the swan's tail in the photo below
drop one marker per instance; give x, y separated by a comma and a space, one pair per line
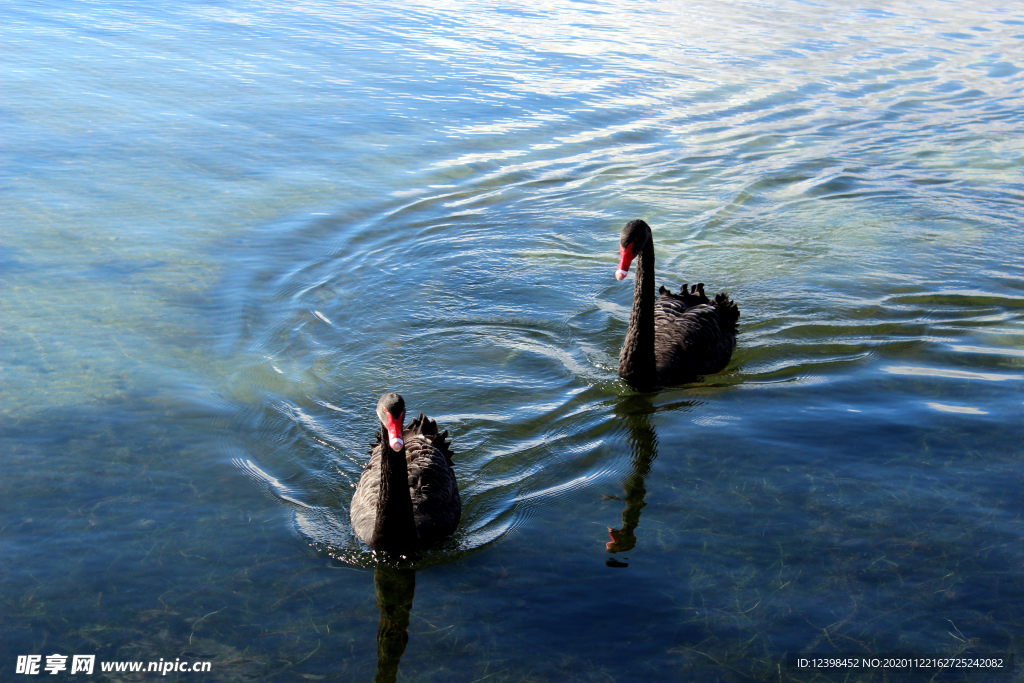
727, 309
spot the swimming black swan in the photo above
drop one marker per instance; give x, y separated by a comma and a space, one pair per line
407, 498
679, 336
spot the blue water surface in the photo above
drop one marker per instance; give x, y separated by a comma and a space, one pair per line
228, 228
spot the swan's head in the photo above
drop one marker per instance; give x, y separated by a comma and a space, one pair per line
391, 413
631, 242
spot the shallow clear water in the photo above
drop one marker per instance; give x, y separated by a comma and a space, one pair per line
229, 228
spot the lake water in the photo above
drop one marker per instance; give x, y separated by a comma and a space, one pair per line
228, 228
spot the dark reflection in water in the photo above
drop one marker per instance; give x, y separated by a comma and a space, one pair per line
636, 412
395, 589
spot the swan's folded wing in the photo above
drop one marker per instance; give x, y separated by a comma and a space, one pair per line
363, 509
425, 427
437, 507
693, 341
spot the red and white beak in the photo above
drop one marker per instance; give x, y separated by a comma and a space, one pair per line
394, 427
625, 258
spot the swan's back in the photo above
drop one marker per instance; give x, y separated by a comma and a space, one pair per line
693, 335
436, 505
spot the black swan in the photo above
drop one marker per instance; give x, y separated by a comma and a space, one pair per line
407, 498
679, 336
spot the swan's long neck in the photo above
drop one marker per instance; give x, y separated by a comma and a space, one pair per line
636, 360
394, 529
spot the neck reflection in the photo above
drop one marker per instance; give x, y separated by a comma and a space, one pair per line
635, 411
395, 588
